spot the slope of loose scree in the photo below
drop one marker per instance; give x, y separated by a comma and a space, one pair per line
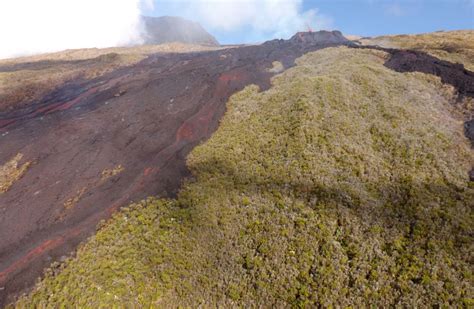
343, 184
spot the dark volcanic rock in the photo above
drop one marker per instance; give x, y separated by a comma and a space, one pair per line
168, 29
469, 130
417, 61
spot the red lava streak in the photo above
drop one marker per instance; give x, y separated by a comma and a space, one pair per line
148, 171
185, 132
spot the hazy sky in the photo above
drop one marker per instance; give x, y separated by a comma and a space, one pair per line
37, 26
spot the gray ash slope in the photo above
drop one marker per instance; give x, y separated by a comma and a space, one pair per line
167, 29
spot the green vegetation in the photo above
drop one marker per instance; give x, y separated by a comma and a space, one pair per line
111, 172
11, 171
345, 184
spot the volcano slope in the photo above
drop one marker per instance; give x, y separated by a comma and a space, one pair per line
76, 154
453, 46
344, 183
27, 79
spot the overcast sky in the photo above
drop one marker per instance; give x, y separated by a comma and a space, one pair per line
37, 26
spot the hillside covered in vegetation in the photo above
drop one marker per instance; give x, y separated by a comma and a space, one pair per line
344, 184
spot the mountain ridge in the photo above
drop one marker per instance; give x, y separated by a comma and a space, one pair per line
168, 29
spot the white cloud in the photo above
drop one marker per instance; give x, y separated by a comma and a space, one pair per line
276, 18
38, 26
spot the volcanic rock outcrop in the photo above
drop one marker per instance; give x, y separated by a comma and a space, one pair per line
168, 29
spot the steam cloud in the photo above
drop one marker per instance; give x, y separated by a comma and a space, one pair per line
263, 19
38, 26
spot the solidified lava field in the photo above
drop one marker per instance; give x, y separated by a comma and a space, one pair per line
96, 145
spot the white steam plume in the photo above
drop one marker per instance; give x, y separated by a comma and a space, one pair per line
38, 26
264, 18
